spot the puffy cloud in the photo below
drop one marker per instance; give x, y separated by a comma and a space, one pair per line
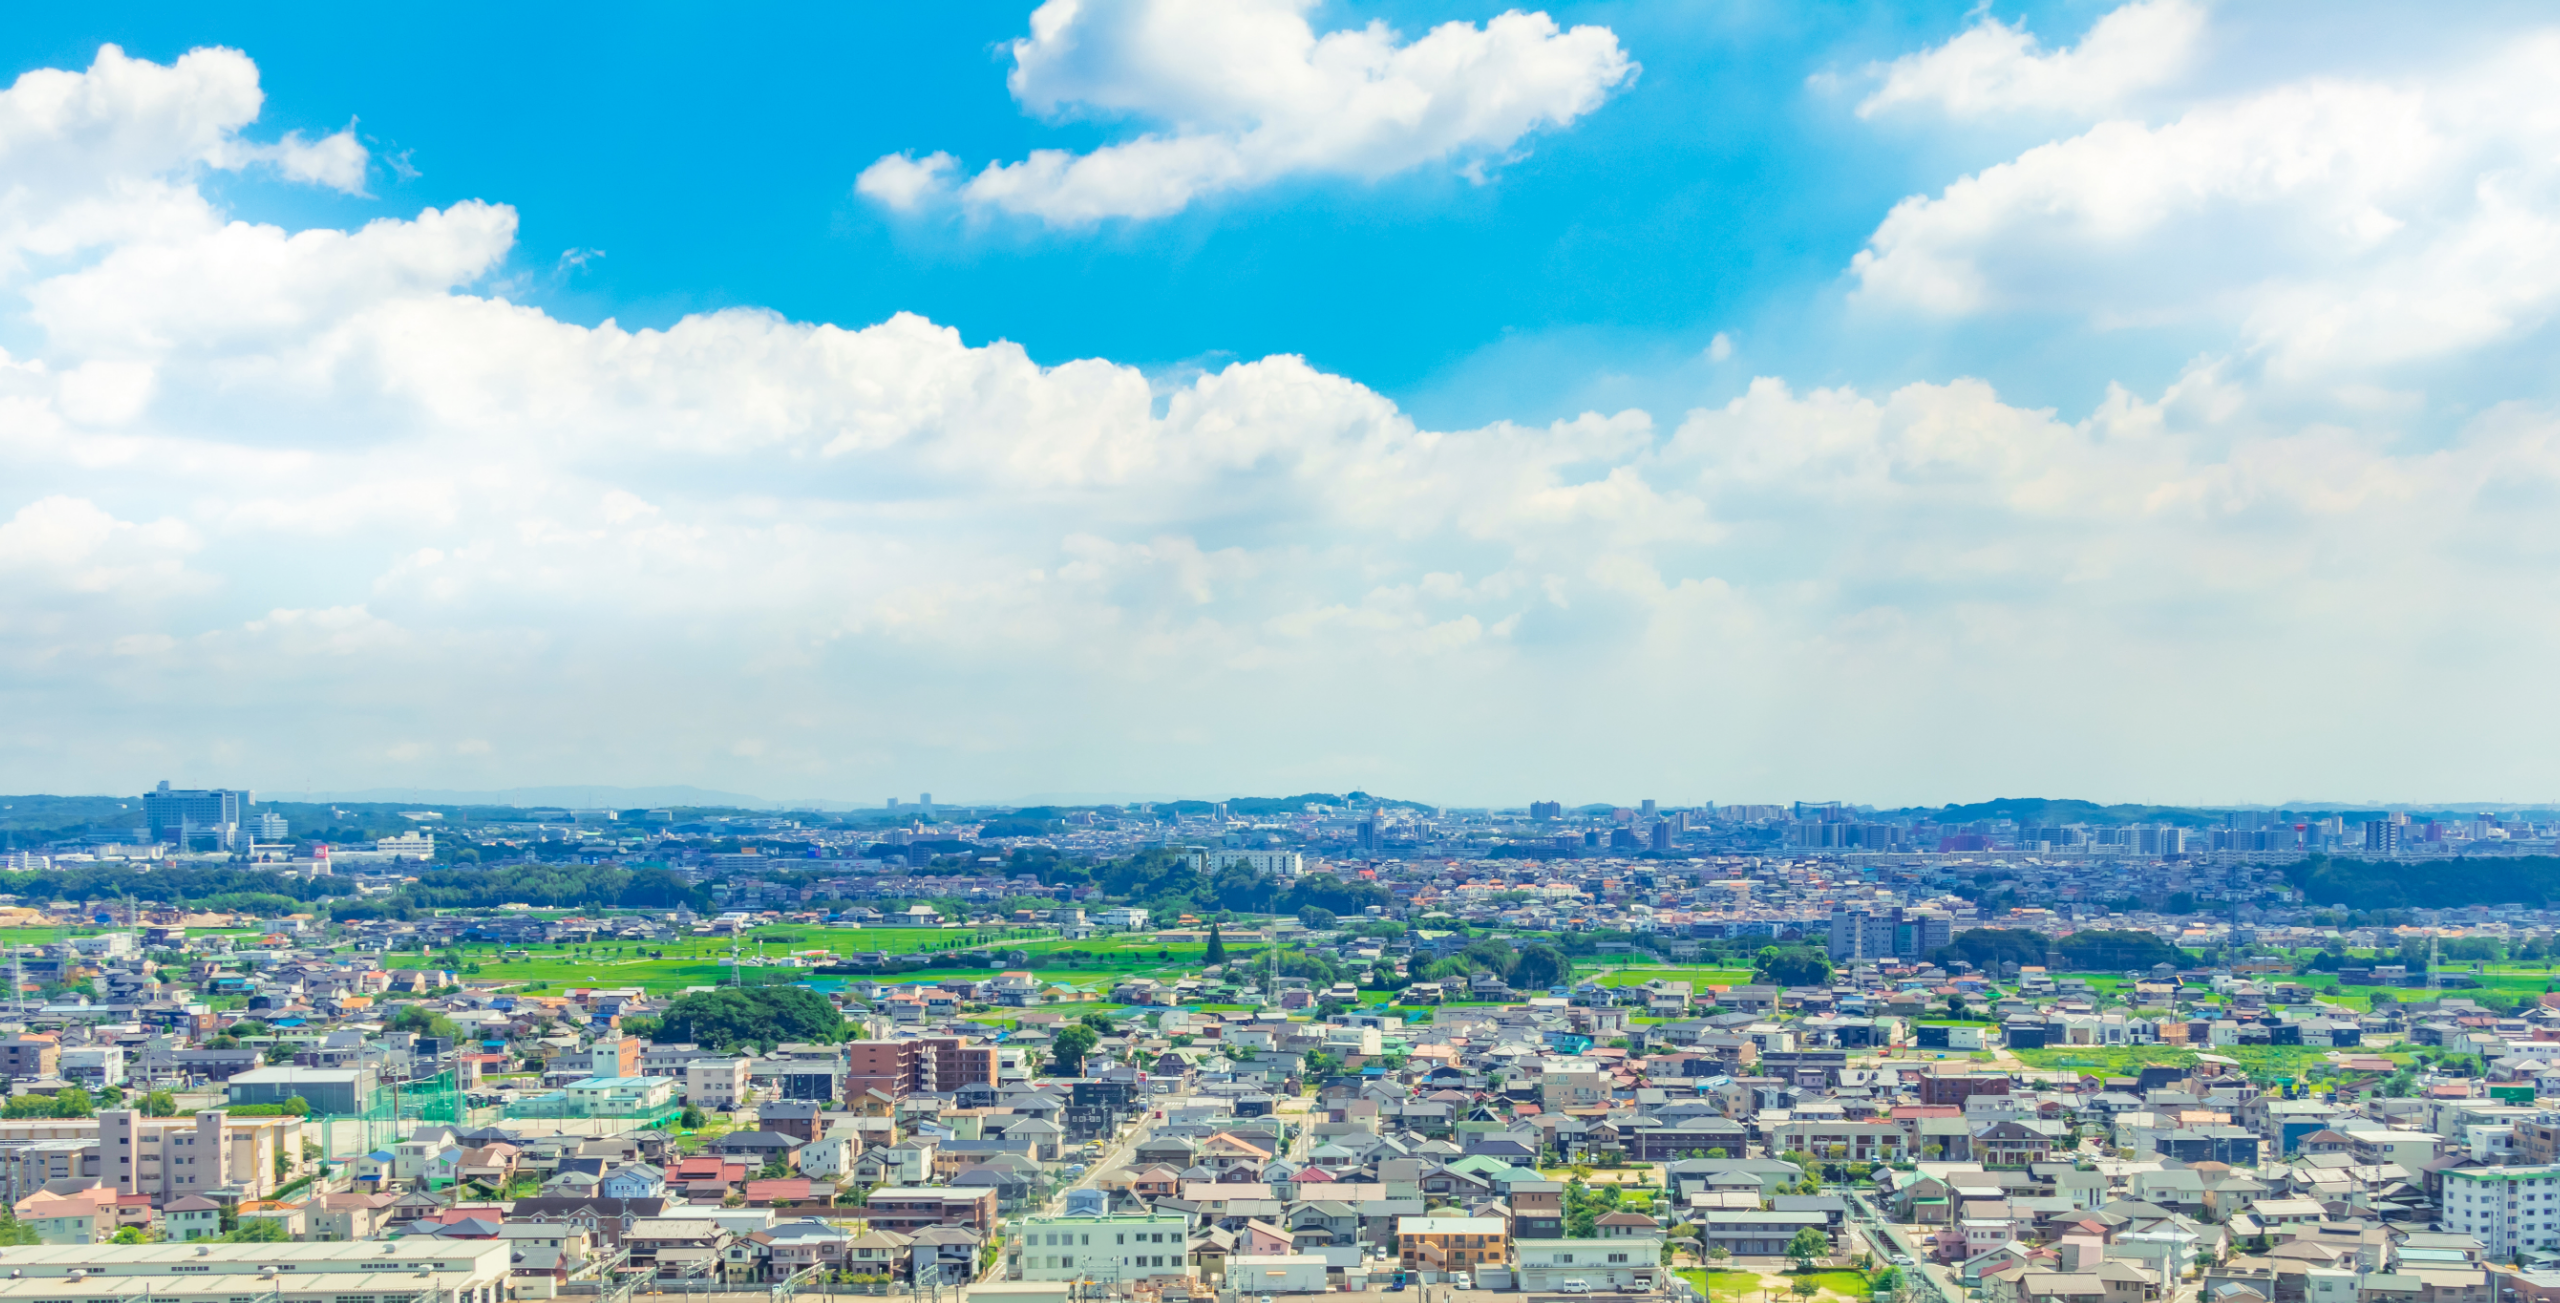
418, 533
1998, 68
1245, 94
2331, 224
96, 158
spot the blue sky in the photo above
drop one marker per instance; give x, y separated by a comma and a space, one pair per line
1710, 401
711, 158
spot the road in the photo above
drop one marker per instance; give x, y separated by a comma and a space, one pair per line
1934, 1282
1117, 1152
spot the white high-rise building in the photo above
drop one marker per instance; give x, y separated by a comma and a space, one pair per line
2505, 1208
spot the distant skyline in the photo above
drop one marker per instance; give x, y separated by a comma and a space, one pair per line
589, 796
1724, 400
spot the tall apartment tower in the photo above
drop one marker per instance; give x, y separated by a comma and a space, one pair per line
177, 813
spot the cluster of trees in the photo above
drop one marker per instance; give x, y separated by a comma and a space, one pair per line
1585, 1205
1791, 966
1162, 881
2100, 950
186, 886
2096, 950
2433, 884
1986, 947
1076, 1040
1528, 968
550, 886
729, 1017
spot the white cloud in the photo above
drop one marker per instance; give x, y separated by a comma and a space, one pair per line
2332, 223
1999, 68
103, 156
62, 543
422, 534
1240, 95
903, 181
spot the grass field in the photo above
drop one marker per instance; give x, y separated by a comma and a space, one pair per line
1726, 1283
39, 936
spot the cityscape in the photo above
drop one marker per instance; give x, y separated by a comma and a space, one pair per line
1319, 1043
1280, 651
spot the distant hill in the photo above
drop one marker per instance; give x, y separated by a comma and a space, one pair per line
2049, 810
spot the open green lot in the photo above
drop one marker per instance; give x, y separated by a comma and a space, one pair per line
39, 936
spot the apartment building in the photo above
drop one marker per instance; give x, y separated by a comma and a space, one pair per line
29, 1054
715, 1083
1856, 1142
163, 1158
909, 1209
1106, 1247
1444, 1243
898, 1069
2506, 1208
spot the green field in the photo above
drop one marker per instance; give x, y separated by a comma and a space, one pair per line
39, 936
696, 961
1730, 1284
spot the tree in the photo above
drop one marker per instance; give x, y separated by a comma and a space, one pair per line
297, 1106
159, 1104
763, 1016
130, 1235
1792, 966
1066, 1054
1804, 1286
1955, 1004
257, 1230
73, 1102
1540, 967
1317, 918
1808, 1245
1101, 1024
424, 1021
693, 1119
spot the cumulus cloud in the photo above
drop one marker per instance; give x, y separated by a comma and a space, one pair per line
2333, 223
1239, 95
1999, 68
99, 157
325, 479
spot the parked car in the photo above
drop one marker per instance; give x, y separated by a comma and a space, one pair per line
1576, 1286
